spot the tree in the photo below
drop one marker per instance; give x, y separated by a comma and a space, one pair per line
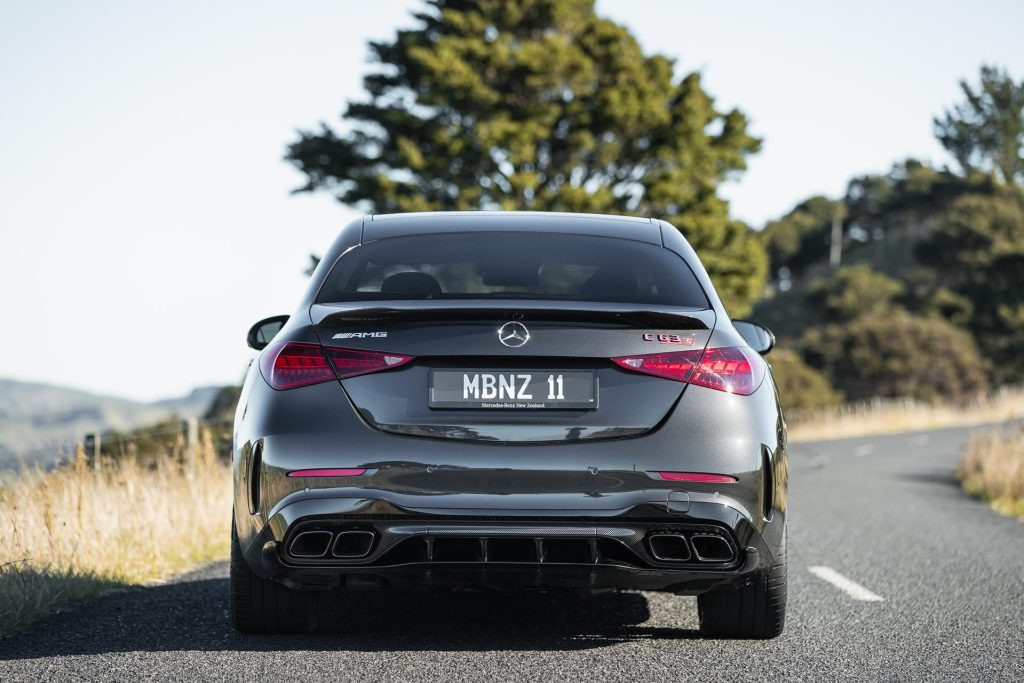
802, 236
897, 355
986, 131
539, 104
979, 250
854, 291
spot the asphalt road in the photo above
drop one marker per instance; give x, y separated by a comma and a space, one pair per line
884, 513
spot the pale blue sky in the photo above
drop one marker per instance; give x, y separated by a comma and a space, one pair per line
145, 215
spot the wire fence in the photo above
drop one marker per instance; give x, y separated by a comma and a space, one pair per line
177, 438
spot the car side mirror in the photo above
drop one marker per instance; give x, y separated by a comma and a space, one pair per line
262, 333
758, 337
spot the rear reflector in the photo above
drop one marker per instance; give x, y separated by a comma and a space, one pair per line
287, 365
329, 472
734, 369
699, 477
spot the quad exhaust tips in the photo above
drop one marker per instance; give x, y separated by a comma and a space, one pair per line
689, 546
676, 547
346, 544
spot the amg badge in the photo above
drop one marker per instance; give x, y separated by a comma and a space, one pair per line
359, 335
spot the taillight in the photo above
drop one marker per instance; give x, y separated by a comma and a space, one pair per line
350, 362
287, 365
330, 472
678, 366
701, 477
734, 369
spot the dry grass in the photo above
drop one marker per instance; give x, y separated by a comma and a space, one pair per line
904, 415
74, 532
993, 469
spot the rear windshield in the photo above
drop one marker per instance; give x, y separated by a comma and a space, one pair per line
513, 265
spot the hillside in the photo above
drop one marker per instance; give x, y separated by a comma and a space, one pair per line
39, 421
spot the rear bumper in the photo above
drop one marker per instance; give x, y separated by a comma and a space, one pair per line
369, 541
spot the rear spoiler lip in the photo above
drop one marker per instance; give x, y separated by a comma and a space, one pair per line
627, 315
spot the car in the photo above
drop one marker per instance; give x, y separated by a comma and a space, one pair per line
509, 401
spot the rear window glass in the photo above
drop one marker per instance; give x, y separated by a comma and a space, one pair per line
513, 265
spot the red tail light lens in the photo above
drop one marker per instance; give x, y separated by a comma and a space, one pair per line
330, 472
287, 365
734, 369
701, 477
350, 362
678, 366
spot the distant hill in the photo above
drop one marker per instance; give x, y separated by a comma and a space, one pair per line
40, 422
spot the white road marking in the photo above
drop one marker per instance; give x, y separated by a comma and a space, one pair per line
851, 588
866, 449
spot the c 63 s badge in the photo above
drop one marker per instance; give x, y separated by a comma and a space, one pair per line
668, 338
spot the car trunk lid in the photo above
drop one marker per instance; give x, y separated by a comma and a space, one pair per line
456, 344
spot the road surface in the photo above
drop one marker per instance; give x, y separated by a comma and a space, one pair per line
894, 574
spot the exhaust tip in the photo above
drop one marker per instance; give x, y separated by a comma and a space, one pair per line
353, 543
310, 544
669, 547
711, 548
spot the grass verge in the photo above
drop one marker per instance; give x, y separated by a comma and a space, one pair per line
75, 532
993, 470
890, 416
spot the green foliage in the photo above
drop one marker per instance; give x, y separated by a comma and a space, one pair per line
539, 104
979, 250
939, 280
895, 206
854, 291
801, 387
986, 131
801, 237
871, 346
896, 355
978, 229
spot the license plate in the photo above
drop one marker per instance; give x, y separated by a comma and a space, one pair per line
513, 389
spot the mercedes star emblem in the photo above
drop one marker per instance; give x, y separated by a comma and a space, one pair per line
513, 335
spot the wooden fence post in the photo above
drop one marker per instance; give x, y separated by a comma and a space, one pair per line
191, 442
92, 449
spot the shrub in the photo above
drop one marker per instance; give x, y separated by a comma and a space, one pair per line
993, 469
853, 291
896, 354
801, 387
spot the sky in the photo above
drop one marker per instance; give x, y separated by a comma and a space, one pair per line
146, 214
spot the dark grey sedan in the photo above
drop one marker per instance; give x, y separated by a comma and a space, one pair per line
510, 401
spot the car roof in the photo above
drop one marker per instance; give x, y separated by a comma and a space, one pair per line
403, 224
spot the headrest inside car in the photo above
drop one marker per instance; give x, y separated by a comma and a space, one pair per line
411, 282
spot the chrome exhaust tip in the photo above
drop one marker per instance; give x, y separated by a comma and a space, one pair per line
353, 543
669, 547
310, 544
712, 548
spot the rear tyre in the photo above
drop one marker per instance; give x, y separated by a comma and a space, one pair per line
756, 610
262, 606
